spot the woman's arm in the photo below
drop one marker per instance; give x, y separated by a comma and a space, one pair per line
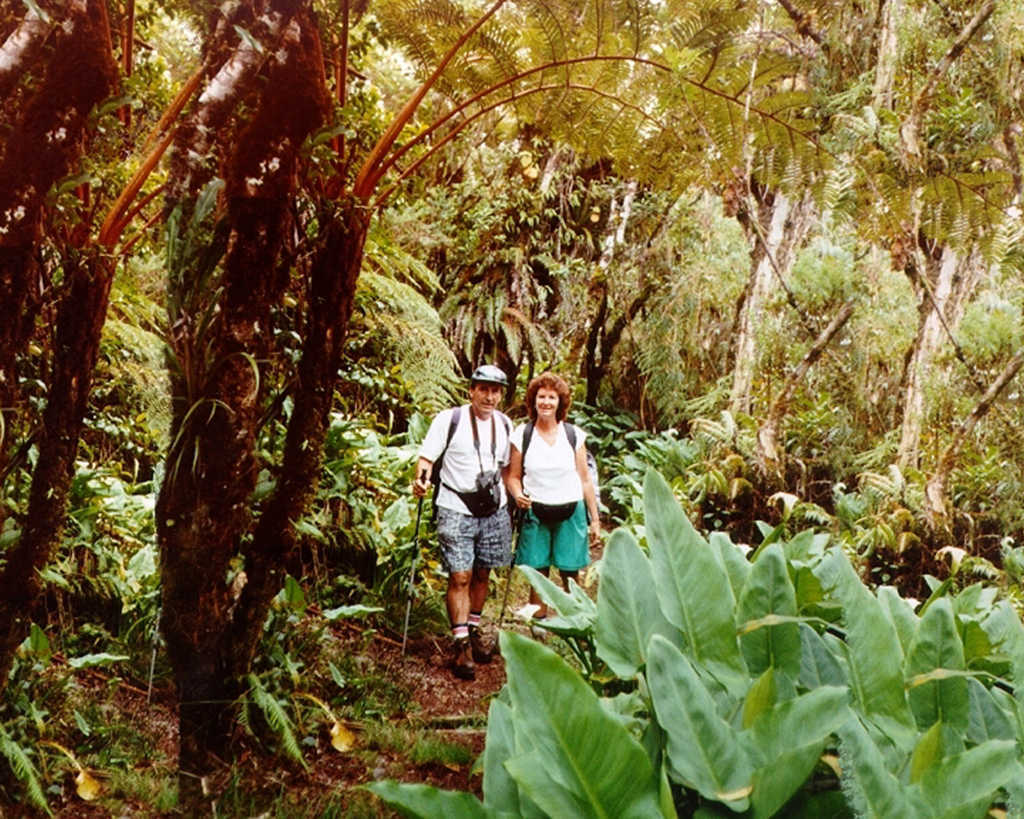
589, 496
514, 479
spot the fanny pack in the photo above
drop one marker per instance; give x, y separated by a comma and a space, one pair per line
485, 499
553, 512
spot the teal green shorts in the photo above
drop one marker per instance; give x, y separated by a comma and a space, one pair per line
563, 545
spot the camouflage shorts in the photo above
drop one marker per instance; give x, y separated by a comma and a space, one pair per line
468, 543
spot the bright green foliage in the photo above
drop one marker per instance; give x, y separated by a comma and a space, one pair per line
23, 767
691, 583
806, 660
628, 615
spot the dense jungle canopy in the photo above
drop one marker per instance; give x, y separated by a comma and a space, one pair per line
247, 251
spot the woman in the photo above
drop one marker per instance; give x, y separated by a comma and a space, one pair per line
550, 482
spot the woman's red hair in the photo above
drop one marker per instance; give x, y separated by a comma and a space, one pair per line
548, 380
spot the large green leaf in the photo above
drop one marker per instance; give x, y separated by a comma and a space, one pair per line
986, 719
692, 584
769, 591
575, 611
704, 751
427, 801
873, 789
937, 646
578, 759
956, 785
735, 562
788, 740
874, 652
901, 614
818, 665
628, 611
501, 793
1004, 628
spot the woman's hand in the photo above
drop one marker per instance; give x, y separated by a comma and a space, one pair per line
595, 532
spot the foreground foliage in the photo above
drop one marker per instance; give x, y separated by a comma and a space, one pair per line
751, 686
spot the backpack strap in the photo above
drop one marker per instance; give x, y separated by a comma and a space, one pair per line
435, 469
451, 432
570, 433
527, 435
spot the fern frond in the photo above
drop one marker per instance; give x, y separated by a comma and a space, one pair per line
21, 765
277, 718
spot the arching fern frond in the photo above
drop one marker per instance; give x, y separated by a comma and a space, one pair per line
23, 768
277, 718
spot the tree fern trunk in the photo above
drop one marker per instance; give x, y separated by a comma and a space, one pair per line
949, 279
776, 232
768, 454
331, 292
935, 491
203, 511
43, 147
886, 53
22, 46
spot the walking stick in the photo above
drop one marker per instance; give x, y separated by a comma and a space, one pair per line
516, 526
412, 572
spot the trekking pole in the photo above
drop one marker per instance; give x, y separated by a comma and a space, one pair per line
518, 517
412, 573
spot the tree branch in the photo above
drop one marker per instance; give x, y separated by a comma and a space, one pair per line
768, 453
910, 128
803, 23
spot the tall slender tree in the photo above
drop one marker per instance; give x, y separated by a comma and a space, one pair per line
69, 46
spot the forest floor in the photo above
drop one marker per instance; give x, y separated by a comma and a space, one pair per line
436, 738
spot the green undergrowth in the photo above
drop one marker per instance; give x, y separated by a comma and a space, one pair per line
706, 682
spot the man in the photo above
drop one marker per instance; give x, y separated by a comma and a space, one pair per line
473, 527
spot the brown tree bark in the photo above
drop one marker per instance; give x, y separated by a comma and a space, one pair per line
203, 510
80, 318
44, 146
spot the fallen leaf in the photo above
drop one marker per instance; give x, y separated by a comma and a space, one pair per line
88, 787
341, 738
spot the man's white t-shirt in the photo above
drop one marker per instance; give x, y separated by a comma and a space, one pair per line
461, 466
549, 470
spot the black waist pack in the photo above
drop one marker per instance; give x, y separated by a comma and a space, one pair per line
483, 501
553, 512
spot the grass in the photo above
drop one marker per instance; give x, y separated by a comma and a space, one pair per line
419, 746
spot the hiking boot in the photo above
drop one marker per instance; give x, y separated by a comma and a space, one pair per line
462, 660
483, 652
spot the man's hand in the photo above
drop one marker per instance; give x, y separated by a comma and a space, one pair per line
523, 500
421, 484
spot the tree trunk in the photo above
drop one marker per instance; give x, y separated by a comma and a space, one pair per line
44, 146
332, 288
203, 511
944, 282
936, 508
776, 232
886, 54
80, 320
769, 456
21, 48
